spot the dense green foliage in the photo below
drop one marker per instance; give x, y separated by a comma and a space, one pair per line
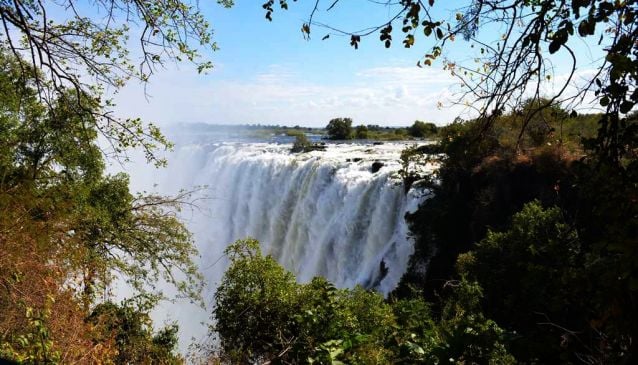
339, 128
262, 315
421, 129
559, 271
301, 144
533, 274
67, 228
130, 329
361, 132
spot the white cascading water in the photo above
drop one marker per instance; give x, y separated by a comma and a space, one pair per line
322, 213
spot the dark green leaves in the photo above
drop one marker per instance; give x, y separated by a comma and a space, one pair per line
626, 106
354, 41
386, 35
427, 30
261, 312
268, 7
339, 128
305, 30
408, 41
587, 27
559, 39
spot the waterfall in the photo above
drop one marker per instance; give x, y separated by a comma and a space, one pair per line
322, 213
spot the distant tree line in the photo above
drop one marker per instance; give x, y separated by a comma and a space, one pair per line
342, 129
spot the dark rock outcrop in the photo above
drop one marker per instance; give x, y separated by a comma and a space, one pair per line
376, 166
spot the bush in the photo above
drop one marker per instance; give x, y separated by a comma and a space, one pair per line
301, 144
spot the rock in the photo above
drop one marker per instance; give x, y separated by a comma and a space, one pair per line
376, 166
297, 148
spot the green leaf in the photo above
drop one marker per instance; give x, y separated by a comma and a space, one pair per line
554, 46
626, 106
427, 30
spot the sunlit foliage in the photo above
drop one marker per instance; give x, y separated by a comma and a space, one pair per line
262, 315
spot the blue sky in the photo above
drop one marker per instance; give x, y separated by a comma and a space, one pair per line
265, 72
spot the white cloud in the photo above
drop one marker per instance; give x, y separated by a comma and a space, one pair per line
406, 76
587, 103
385, 95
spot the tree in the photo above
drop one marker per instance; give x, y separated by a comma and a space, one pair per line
421, 129
340, 128
51, 151
536, 283
541, 125
262, 314
67, 228
63, 221
541, 277
253, 303
361, 132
